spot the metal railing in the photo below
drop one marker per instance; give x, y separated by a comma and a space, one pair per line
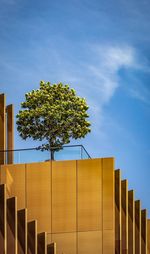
29, 155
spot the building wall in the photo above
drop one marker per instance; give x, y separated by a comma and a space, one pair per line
72, 200
84, 205
17, 234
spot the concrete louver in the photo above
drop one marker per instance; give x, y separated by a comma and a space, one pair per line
17, 235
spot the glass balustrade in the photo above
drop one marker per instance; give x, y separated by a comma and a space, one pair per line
74, 152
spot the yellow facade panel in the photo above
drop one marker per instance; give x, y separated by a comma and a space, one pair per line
108, 242
90, 242
42, 243
14, 177
137, 227
22, 231
52, 248
63, 196
12, 225
32, 237
65, 243
117, 212
3, 219
131, 223
148, 236
124, 216
2, 128
49, 238
143, 231
89, 194
38, 194
108, 199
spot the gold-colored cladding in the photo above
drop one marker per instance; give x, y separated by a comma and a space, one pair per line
12, 225
89, 194
32, 237
51, 248
42, 243
63, 196
2, 128
124, 216
108, 193
82, 199
137, 227
14, 178
10, 133
108, 242
143, 231
66, 243
148, 236
131, 223
90, 242
20, 238
22, 231
49, 238
108, 201
38, 194
2, 219
117, 212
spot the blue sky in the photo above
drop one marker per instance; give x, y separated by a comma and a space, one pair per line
102, 49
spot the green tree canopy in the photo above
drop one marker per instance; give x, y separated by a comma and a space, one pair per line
53, 114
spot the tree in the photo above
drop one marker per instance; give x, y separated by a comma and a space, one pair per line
53, 114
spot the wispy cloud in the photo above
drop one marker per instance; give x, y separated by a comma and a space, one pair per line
141, 93
105, 70
104, 74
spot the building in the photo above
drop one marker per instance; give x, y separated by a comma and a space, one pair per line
83, 205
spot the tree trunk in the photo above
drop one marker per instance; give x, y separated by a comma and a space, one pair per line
52, 151
52, 154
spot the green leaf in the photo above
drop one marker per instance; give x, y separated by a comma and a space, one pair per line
53, 113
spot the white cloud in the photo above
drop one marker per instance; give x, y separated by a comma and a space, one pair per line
105, 69
103, 74
140, 92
